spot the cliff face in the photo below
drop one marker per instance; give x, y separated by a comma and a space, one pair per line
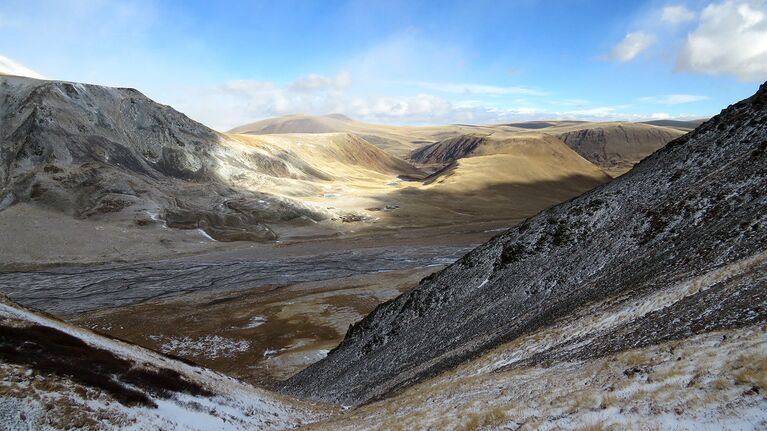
693, 207
93, 151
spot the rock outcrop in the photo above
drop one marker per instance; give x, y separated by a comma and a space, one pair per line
694, 207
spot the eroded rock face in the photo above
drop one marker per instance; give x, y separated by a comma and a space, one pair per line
93, 151
696, 205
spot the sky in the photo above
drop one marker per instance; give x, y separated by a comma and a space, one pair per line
401, 62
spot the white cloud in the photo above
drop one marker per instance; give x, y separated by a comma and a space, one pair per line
676, 15
10, 67
238, 102
731, 39
631, 46
673, 99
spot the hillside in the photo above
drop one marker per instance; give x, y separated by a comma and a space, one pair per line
59, 376
673, 249
520, 173
531, 144
615, 147
333, 152
381, 191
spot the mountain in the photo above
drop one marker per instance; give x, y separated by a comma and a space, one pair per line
97, 152
332, 123
672, 250
613, 146
329, 154
500, 176
65, 377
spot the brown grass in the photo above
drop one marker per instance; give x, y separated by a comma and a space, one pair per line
752, 371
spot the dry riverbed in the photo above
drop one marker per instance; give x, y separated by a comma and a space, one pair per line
258, 335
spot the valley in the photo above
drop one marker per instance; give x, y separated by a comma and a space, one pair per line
322, 272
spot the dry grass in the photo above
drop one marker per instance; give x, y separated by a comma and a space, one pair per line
596, 426
752, 370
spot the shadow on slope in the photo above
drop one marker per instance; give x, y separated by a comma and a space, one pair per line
47, 350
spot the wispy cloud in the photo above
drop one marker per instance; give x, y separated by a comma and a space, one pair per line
467, 88
676, 14
313, 82
631, 46
673, 99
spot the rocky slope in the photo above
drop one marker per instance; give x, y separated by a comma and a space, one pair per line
99, 152
654, 236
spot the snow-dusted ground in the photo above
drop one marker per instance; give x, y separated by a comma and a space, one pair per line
707, 382
209, 346
31, 401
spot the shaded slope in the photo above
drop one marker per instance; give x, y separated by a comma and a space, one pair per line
689, 209
707, 381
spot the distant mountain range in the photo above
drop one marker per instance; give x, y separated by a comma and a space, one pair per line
613, 146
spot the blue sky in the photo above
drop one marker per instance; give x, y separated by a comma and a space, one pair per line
404, 62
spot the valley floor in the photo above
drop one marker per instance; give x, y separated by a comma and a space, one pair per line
258, 335
258, 312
